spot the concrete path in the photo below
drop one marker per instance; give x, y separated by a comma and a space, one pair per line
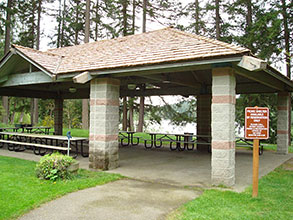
159, 188
121, 200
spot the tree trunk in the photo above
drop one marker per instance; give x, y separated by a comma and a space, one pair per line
76, 21
8, 27
87, 22
133, 16
124, 114
144, 10
287, 54
85, 108
218, 33
141, 115
131, 124
287, 38
32, 112
141, 101
21, 117
35, 111
249, 21
124, 13
39, 24
85, 114
5, 101
59, 25
33, 33
63, 24
196, 4
97, 20
249, 13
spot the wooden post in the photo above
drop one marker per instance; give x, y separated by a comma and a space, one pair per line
255, 167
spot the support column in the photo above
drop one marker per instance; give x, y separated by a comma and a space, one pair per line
203, 119
104, 120
223, 126
58, 116
283, 124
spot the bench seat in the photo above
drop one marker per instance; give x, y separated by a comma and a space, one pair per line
35, 145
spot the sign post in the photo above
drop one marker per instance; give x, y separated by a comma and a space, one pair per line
68, 134
256, 128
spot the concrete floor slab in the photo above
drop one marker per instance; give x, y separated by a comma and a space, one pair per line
187, 168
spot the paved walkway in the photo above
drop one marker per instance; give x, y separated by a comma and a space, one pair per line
159, 185
123, 199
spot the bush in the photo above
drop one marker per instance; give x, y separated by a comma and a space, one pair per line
54, 167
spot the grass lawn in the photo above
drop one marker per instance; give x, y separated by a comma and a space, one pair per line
275, 201
76, 132
21, 190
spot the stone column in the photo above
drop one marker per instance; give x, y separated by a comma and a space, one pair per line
58, 116
104, 120
283, 124
203, 120
223, 126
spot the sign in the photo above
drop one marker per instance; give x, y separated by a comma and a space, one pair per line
257, 123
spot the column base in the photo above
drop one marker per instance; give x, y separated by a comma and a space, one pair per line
223, 167
103, 158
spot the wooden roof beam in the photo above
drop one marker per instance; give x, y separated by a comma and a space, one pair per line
175, 81
184, 91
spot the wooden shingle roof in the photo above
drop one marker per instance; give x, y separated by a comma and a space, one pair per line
160, 46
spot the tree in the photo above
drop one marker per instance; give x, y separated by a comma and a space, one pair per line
141, 102
195, 13
217, 19
285, 7
85, 103
5, 102
264, 100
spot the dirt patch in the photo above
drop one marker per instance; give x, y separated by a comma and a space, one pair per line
288, 165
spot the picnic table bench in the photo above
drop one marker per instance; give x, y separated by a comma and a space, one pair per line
39, 143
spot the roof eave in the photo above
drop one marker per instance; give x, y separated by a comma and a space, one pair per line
156, 68
253, 64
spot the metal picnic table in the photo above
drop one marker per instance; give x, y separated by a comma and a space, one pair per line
28, 129
21, 141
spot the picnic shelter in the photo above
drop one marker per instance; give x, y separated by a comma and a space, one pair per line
161, 62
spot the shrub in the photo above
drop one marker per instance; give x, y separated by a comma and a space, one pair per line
54, 167
48, 121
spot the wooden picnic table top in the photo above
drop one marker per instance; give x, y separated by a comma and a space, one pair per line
55, 137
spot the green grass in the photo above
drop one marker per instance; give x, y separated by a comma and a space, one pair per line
275, 201
76, 132
21, 190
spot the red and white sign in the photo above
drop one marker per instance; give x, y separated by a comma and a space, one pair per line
257, 123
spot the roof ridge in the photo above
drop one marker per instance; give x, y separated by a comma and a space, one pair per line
111, 39
215, 41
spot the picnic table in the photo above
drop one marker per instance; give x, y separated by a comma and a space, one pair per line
128, 135
40, 143
28, 129
38, 130
179, 142
242, 142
